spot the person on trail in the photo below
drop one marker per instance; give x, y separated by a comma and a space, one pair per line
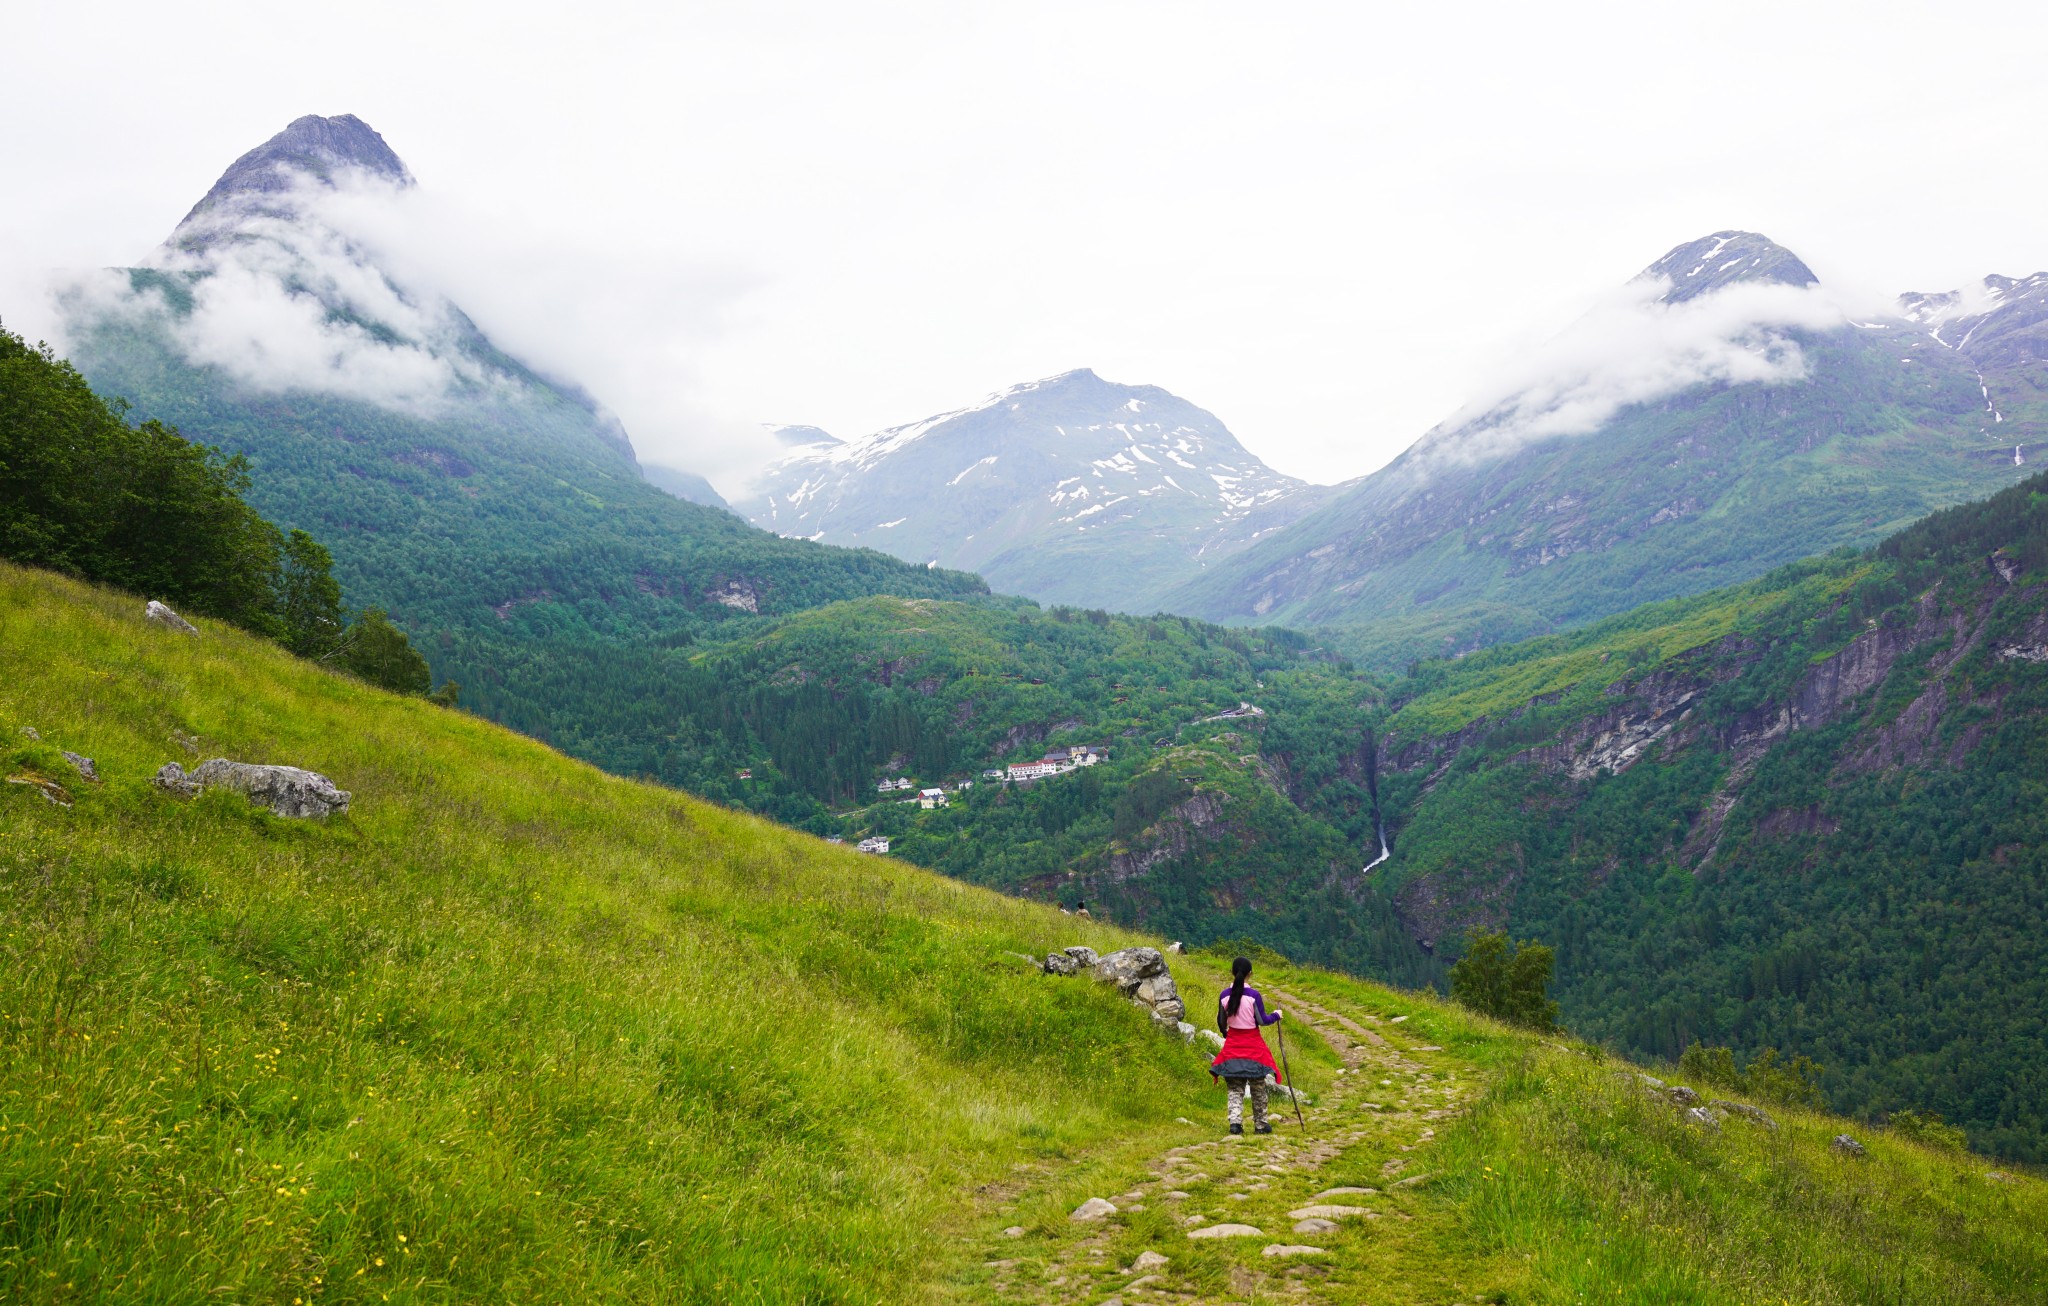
1245, 1061
1081, 909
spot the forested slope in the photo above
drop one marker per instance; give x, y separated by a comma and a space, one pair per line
1805, 813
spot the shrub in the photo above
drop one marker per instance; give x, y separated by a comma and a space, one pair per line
1505, 979
1928, 1127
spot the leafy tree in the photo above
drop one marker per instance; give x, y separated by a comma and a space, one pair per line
1793, 1081
309, 598
1505, 979
379, 652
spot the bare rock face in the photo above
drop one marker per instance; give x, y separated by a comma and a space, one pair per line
286, 790
169, 620
1127, 968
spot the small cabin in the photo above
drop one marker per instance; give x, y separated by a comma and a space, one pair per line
874, 844
930, 798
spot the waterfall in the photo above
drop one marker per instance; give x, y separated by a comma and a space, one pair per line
1385, 852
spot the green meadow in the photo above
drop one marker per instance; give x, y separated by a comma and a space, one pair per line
516, 1030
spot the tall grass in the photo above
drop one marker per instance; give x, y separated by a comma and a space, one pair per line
512, 1029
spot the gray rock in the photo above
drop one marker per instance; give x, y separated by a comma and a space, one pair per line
1129, 967
1226, 1231
1157, 990
51, 791
1292, 1249
1280, 1092
1093, 1209
1148, 1260
1315, 1225
1704, 1117
1682, 1095
1211, 1036
1014, 1231
1412, 1181
29, 732
1059, 963
83, 765
1848, 1146
1185, 1030
1756, 1115
1177, 948
1084, 956
285, 790
1346, 1192
1652, 1081
169, 620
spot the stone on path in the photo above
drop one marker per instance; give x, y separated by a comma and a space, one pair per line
1326, 1211
1148, 1260
1093, 1209
163, 616
1292, 1249
1346, 1192
1227, 1231
1848, 1146
1412, 1180
1315, 1226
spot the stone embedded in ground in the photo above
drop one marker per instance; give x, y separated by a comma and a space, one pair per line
1754, 1114
1148, 1260
1227, 1231
29, 732
1175, 1195
1093, 1209
169, 620
1084, 956
1292, 1249
1127, 968
1326, 1211
1346, 1192
1059, 963
1315, 1226
1848, 1146
1412, 1181
285, 790
1014, 1231
51, 791
83, 765
1213, 1037
1651, 1080
1682, 1095
1705, 1117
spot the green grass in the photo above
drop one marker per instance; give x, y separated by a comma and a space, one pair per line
511, 1029
517, 1030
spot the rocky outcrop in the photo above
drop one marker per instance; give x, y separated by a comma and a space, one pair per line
1171, 836
285, 790
162, 615
1847, 1146
740, 592
1139, 974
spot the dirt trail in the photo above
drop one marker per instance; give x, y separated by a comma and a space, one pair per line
1369, 1133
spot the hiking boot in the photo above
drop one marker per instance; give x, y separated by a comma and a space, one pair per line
1262, 1129
1237, 1129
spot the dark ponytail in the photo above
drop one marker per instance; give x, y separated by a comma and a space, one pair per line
1240, 970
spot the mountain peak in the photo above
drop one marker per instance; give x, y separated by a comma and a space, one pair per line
1723, 259
311, 146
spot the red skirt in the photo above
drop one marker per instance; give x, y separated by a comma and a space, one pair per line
1241, 1046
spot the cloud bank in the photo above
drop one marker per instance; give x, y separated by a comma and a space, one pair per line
374, 292
1632, 349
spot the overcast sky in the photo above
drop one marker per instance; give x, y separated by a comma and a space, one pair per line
1327, 223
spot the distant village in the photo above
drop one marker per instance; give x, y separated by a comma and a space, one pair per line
1057, 762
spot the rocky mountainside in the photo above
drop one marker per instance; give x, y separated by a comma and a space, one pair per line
1072, 489
498, 510
1804, 813
1721, 418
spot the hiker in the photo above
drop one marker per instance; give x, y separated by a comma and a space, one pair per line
1245, 1061
1081, 909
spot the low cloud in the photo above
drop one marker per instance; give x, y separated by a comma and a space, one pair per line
368, 290
1633, 349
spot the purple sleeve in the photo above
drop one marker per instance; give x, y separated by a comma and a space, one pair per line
1260, 1011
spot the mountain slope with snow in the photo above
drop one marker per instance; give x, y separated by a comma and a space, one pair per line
1072, 489
1720, 416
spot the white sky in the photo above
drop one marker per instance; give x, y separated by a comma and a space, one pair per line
1327, 223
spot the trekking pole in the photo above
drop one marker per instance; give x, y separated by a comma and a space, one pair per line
1292, 1096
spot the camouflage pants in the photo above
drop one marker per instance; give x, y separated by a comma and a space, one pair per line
1234, 1091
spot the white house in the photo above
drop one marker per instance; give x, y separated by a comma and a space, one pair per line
930, 798
1032, 770
874, 844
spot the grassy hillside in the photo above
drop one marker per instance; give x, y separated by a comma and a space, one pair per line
513, 1029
